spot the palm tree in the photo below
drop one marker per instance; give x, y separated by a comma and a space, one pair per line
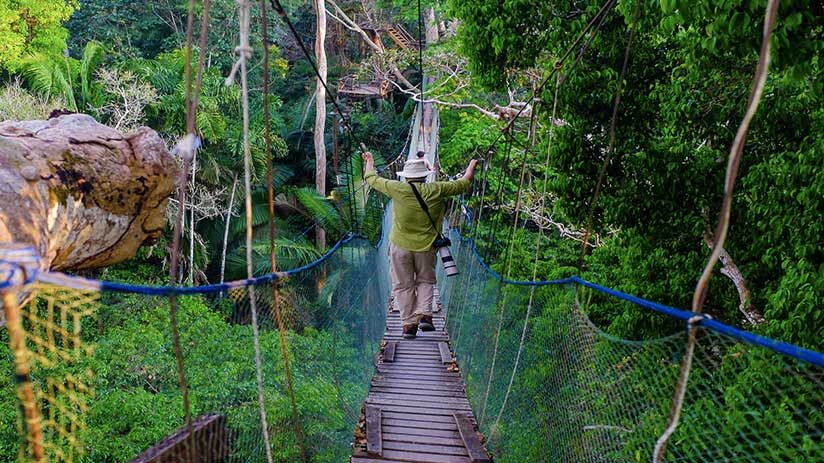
62, 78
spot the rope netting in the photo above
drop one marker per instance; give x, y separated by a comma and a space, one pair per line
104, 375
103, 369
554, 387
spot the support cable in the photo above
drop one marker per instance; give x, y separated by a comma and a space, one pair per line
529, 306
611, 142
503, 294
736, 153
244, 52
267, 136
186, 148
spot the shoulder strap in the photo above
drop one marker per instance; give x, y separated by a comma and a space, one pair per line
424, 207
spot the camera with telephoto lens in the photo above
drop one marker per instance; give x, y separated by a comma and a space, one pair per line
442, 244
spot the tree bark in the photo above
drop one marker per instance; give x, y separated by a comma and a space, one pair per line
82, 194
320, 113
753, 315
226, 233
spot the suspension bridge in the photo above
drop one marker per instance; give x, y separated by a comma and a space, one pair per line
308, 364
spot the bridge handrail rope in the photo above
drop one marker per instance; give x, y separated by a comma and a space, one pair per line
244, 51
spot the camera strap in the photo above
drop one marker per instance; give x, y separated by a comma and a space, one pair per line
425, 209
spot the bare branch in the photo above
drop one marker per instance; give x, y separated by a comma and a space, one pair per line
753, 315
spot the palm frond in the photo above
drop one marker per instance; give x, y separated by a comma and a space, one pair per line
319, 209
289, 253
39, 74
92, 57
63, 83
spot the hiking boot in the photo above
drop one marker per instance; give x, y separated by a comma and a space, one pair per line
410, 331
426, 323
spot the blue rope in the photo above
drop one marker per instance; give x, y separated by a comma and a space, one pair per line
205, 289
791, 350
796, 352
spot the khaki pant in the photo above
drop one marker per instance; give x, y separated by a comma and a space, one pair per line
413, 282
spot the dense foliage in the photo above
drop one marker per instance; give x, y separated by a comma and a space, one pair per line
127, 71
686, 87
688, 80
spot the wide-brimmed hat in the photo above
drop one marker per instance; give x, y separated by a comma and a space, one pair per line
414, 168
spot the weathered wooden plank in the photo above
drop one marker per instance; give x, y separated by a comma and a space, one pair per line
423, 411
428, 448
210, 437
420, 424
438, 368
431, 363
422, 439
401, 456
423, 379
425, 457
374, 440
414, 404
450, 386
417, 392
422, 432
441, 371
421, 355
415, 416
389, 352
446, 354
470, 438
355, 459
420, 399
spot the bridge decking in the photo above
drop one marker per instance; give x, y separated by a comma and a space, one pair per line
417, 410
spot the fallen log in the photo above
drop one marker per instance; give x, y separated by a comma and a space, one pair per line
81, 193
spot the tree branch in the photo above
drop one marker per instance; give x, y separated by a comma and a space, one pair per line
753, 315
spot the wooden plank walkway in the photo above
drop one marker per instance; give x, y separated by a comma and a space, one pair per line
417, 410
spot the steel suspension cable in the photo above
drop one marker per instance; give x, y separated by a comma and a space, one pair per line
267, 136
529, 306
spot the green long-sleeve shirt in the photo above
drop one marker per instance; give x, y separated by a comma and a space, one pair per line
411, 229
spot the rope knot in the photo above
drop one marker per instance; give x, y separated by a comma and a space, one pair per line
697, 319
244, 51
187, 146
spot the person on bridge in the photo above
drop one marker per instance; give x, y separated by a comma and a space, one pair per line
411, 254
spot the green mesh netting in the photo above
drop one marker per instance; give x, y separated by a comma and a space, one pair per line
562, 390
118, 346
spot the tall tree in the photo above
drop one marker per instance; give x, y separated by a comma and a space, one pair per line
32, 26
320, 111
